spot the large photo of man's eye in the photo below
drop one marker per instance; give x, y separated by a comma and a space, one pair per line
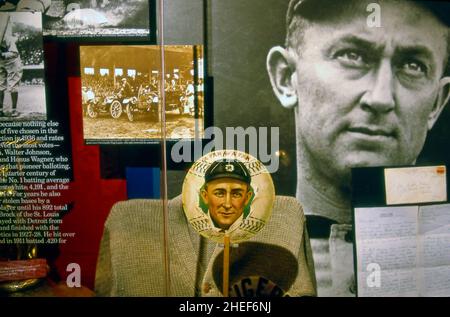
413, 68
352, 58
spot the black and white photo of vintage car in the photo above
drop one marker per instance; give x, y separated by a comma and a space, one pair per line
145, 102
124, 93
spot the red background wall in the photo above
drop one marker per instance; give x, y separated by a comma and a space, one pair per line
91, 197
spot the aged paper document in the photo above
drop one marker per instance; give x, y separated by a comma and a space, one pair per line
414, 185
403, 251
386, 239
434, 250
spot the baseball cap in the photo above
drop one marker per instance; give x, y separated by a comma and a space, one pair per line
227, 169
441, 9
273, 265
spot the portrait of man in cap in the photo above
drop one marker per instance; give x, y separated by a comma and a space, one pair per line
363, 95
226, 193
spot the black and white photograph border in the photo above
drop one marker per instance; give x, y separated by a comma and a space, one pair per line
98, 18
25, 30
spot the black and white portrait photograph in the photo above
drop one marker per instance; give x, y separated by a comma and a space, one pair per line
350, 85
122, 92
88, 18
22, 87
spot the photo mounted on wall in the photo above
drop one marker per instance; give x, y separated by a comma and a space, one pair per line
91, 18
22, 87
121, 93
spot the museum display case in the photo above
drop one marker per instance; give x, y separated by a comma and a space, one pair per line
224, 148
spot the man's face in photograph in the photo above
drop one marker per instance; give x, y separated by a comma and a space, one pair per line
226, 199
368, 95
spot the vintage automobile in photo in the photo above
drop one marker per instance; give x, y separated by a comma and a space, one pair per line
146, 102
109, 105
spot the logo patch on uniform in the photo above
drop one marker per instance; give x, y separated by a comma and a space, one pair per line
229, 168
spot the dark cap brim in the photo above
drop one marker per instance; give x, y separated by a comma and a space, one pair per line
225, 175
